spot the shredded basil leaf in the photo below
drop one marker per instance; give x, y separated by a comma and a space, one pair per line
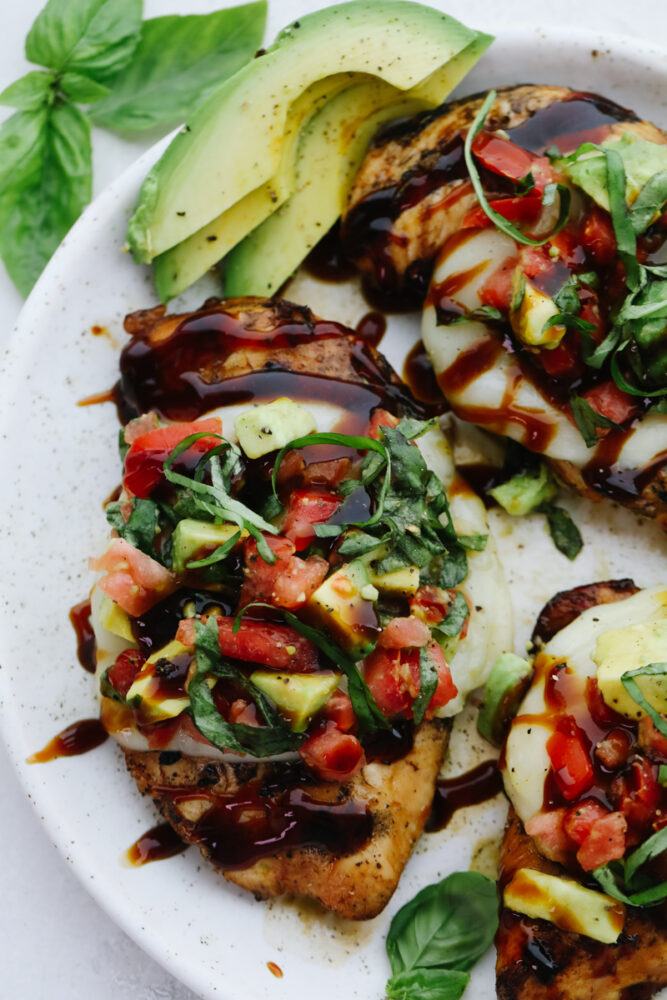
564, 532
141, 526
589, 420
428, 682
455, 619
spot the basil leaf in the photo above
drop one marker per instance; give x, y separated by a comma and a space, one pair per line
596, 355
564, 532
32, 91
454, 620
448, 925
369, 716
140, 528
260, 741
605, 877
38, 207
649, 203
623, 229
499, 221
94, 37
81, 89
358, 543
570, 321
177, 63
588, 420
651, 848
630, 684
21, 145
427, 984
428, 682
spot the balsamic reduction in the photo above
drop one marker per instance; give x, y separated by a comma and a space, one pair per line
477, 785
78, 738
156, 844
85, 637
419, 375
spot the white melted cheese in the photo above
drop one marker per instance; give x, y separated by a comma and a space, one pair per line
506, 393
526, 758
489, 629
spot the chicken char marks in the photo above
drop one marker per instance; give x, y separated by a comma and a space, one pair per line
412, 191
250, 349
537, 960
349, 842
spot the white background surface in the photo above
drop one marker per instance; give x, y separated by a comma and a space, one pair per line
55, 942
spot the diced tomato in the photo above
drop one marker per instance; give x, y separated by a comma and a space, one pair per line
578, 821
432, 604
548, 832
606, 842
535, 261
573, 771
332, 755
570, 251
243, 712
614, 749
328, 473
503, 157
497, 289
603, 715
404, 632
565, 358
393, 677
288, 583
125, 669
380, 418
597, 237
140, 425
636, 793
278, 646
134, 581
307, 508
652, 741
338, 710
524, 209
611, 402
147, 454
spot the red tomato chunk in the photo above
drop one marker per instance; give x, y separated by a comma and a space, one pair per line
333, 755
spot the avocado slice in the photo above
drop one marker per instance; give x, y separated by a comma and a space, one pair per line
565, 903
628, 648
194, 540
298, 696
233, 143
344, 606
525, 491
265, 428
531, 310
114, 619
144, 693
180, 266
399, 583
504, 690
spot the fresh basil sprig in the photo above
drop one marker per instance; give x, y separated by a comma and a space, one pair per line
436, 938
137, 75
142, 525
499, 221
630, 684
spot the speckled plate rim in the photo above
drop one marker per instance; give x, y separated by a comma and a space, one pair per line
525, 46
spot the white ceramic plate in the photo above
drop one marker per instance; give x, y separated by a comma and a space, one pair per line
59, 462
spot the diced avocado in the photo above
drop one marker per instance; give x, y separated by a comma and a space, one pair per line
144, 693
332, 147
399, 583
506, 686
641, 159
531, 309
624, 649
299, 696
270, 426
114, 619
194, 540
566, 904
338, 605
180, 266
233, 143
523, 493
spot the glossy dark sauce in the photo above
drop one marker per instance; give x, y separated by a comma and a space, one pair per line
602, 472
469, 365
262, 819
371, 328
157, 626
76, 739
583, 117
475, 786
179, 375
156, 844
327, 261
85, 637
389, 745
419, 375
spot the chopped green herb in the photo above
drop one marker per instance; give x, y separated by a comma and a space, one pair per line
589, 420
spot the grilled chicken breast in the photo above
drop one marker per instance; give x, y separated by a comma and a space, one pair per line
537, 960
392, 801
271, 825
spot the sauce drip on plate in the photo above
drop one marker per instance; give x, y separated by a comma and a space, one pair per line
78, 738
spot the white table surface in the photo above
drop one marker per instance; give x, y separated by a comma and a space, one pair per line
55, 942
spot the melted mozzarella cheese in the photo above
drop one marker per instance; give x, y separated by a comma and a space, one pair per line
526, 759
498, 396
489, 628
